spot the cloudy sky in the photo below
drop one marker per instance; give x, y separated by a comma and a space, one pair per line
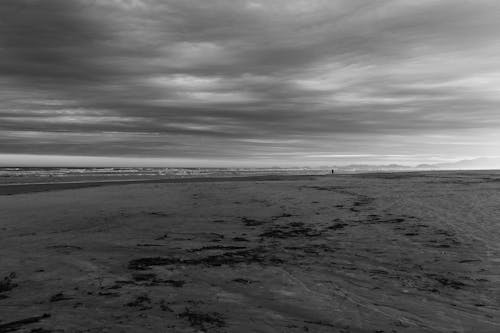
249, 82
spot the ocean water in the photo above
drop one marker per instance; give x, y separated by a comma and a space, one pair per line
23, 175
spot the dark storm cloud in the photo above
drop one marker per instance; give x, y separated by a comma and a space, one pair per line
247, 79
48, 40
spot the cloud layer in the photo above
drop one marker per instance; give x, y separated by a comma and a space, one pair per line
251, 82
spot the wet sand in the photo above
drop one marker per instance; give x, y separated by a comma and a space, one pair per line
61, 184
400, 252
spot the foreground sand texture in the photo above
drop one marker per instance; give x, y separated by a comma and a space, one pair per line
346, 253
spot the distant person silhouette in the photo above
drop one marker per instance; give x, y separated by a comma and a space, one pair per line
333, 171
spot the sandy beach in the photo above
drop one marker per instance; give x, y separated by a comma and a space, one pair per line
396, 252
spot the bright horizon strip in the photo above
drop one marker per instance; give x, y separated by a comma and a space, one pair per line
33, 160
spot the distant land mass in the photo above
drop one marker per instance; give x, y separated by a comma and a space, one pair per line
481, 163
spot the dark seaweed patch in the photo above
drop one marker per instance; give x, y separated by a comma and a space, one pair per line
231, 258
152, 280
64, 247
202, 321
59, 297
240, 239
256, 255
18, 324
7, 283
140, 277
327, 188
464, 261
283, 232
320, 323
243, 281
40, 330
142, 302
251, 222
217, 247
447, 282
161, 214
164, 306
375, 219
277, 217
146, 263
338, 226
173, 283
164, 236
362, 200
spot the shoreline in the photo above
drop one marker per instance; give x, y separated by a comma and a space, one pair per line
8, 189
24, 188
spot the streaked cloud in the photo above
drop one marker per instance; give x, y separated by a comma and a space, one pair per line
281, 82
